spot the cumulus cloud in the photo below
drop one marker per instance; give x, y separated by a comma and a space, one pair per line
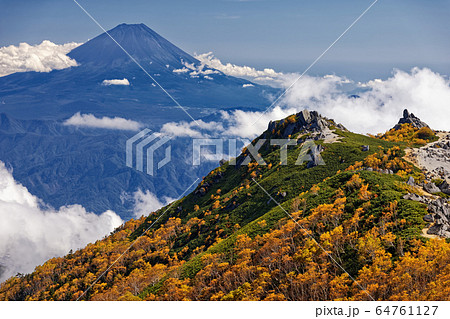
43, 57
90, 120
379, 103
371, 107
31, 233
124, 81
145, 202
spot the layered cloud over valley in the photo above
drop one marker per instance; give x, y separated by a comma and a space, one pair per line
43, 57
31, 232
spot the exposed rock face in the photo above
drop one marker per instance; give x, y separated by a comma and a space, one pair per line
409, 118
306, 121
434, 160
438, 214
316, 159
431, 188
445, 188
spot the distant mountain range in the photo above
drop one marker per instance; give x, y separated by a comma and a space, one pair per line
69, 165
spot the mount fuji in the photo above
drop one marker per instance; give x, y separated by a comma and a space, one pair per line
65, 165
59, 94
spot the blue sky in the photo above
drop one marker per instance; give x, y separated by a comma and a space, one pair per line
284, 34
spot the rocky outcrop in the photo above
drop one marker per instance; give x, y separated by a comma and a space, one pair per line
438, 214
379, 170
434, 160
410, 118
305, 121
431, 188
445, 188
441, 187
316, 158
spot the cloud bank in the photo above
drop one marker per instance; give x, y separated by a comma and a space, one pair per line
43, 57
371, 107
234, 124
90, 120
31, 233
124, 81
378, 104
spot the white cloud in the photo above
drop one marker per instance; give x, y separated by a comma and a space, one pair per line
251, 124
183, 70
147, 202
235, 123
380, 104
43, 57
124, 81
247, 85
181, 129
195, 71
116, 123
377, 107
266, 76
31, 233
198, 129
